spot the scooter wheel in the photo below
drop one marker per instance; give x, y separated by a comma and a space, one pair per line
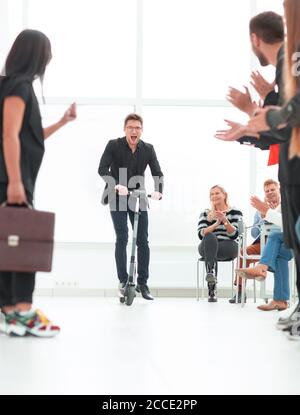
122, 300
130, 295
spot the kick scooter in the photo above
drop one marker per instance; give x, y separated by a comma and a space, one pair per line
127, 293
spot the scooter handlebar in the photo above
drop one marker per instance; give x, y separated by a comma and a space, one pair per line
139, 193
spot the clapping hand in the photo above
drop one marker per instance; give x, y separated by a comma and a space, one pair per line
262, 87
241, 100
234, 132
220, 216
259, 121
259, 205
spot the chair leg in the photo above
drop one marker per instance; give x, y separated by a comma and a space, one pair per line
291, 281
243, 293
203, 273
237, 288
292, 272
294, 281
232, 277
197, 293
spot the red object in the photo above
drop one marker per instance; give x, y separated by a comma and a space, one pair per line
273, 155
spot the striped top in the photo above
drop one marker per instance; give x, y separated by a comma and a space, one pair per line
233, 216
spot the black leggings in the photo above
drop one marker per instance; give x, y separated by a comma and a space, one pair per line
213, 250
15, 287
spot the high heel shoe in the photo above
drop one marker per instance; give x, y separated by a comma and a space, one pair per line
256, 273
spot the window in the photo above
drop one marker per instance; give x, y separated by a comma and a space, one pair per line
93, 46
194, 49
182, 55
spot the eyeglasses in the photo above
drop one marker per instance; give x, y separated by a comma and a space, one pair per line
134, 128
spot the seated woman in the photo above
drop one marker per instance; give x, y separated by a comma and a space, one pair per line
218, 232
275, 257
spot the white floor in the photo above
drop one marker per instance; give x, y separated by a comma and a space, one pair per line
168, 346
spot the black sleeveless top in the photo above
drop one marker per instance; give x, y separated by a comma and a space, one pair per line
31, 134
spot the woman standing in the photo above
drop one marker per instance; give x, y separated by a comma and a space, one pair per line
21, 152
218, 232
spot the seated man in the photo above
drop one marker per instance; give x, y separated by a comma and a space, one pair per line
274, 258
272, 200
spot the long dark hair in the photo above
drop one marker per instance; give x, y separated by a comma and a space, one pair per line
29, 55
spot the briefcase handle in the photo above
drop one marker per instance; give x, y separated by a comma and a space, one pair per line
6, 204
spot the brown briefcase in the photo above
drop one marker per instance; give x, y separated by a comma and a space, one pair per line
26, 239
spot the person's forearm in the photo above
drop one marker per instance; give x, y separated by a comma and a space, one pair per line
210, 229
53, 128
273, 137
275, 217
289, 114
11, 149
230, 229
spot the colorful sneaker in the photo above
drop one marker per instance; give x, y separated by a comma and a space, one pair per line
10, 325
37, 324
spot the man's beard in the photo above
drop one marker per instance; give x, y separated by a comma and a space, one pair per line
261, 57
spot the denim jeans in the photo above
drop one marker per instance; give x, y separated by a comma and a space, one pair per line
143, 252
277, 256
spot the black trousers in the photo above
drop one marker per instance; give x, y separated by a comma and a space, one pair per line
213, 250
143, 252
15, 287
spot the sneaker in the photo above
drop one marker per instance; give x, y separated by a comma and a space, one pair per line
37, 324
121, 289
287, 322
239, 300
212, 293
10, 325
295, 331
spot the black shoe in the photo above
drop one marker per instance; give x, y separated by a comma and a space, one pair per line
144, 290
212, 293
232, 300
285, 324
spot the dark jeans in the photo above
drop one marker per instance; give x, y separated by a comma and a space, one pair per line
213, 250
143, 251
15, 287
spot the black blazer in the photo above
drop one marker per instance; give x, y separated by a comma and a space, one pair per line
113, 159
31, 134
